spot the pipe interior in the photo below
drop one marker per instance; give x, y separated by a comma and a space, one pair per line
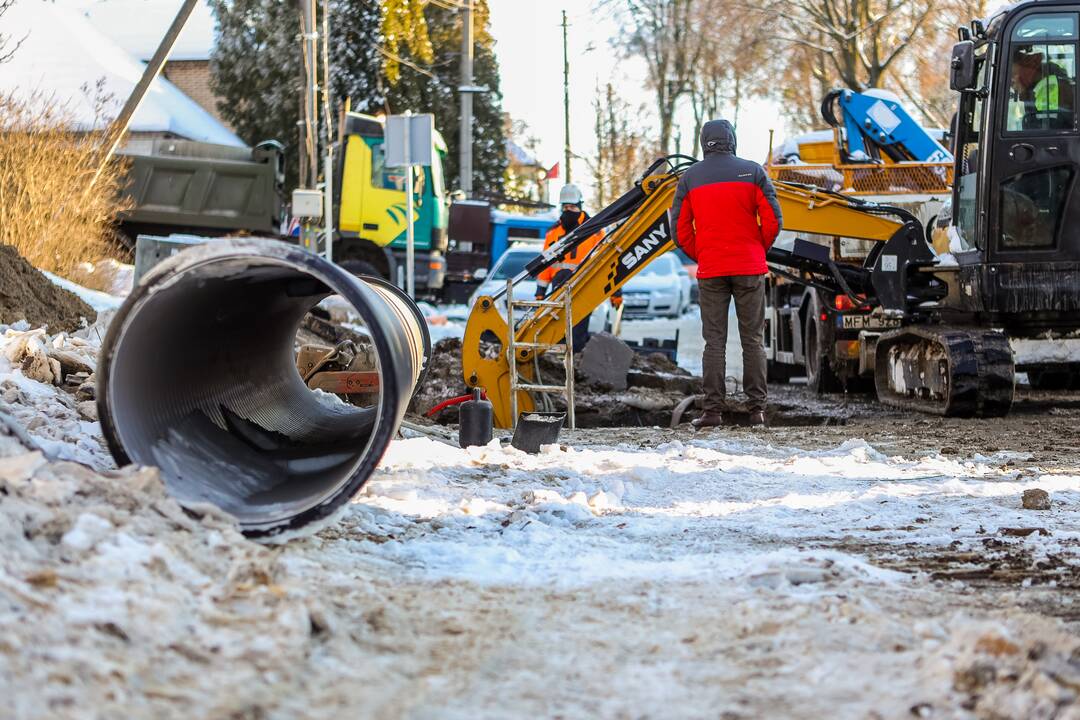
211, 394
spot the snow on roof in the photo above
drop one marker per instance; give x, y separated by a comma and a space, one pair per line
62, 55
520, 155
137, 26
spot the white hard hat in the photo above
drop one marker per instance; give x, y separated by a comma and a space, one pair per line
570, 195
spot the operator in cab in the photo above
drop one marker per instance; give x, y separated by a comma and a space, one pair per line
726, 216
1041, 90
573, 215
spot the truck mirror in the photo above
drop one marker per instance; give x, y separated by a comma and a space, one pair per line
480, 273
962, 68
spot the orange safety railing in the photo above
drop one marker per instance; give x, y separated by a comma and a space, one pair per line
907, 178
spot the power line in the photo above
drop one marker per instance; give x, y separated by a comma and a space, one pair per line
407, 63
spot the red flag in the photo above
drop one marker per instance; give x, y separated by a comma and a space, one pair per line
553, 173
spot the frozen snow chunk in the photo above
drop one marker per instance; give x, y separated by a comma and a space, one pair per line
480, 506
88, 531
27, 351
20, 468
604, 500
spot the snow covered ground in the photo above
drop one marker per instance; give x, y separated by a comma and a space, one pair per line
645, 574
702, 577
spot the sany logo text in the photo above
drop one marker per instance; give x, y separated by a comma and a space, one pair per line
646, 245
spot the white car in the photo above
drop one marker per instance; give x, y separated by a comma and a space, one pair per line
512, 262
662, 288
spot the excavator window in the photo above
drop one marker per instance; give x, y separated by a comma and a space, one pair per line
968, 134
1032, 206
1042, 72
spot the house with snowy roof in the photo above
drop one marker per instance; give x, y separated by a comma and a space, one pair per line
63, 55
137, 26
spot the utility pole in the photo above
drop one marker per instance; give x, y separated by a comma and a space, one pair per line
465, 141
328, 159
310, 151
566, 96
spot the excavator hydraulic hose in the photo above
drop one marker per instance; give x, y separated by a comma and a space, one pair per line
198, 377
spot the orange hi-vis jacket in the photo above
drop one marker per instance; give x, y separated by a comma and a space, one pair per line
571, 260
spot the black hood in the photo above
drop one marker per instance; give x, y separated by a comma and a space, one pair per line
718, 136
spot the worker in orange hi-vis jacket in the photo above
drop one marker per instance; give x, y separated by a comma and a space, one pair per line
551, 277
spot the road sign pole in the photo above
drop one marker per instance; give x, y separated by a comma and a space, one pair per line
409, 144
410, 240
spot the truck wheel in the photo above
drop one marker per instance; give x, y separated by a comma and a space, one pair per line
360, 267
819, 373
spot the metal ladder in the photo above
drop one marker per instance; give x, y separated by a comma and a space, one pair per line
566, 347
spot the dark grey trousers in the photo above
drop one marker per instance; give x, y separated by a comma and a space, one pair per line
749, 294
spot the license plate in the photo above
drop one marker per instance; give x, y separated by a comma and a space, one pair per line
635, 302
869, 322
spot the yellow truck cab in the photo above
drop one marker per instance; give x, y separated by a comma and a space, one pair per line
372, 215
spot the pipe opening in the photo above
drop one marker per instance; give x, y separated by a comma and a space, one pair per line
201, 381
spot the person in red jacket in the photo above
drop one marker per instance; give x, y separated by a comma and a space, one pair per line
726, 217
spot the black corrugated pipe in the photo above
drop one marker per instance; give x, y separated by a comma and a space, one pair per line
198, 377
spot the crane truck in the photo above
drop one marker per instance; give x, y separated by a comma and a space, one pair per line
875, 151
943, 345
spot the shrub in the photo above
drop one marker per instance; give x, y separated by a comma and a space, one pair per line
51, 209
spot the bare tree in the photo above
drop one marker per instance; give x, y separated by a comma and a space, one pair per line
925, 80
7, 46
663, 33
524, 172
622, 147
808, 75
862, 39
734, 62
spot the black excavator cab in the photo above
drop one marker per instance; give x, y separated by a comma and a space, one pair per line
1015, 230
1016, 199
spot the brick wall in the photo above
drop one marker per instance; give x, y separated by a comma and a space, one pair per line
192, 77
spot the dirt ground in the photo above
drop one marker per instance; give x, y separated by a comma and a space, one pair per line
1040, 436
26, 294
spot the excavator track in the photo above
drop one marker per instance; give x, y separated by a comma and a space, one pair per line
951, 371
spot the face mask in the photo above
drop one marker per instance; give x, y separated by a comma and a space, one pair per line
569, 219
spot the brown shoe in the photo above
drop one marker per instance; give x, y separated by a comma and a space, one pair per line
757, 418
708, 420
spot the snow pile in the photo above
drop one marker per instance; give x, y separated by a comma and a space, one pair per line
1029, 669
1048, 350
100, 301
445, 321
62, 422
113, 598
712, 577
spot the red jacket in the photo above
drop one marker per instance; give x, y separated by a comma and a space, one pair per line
725, 209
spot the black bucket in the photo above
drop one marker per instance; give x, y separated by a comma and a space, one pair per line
536, 429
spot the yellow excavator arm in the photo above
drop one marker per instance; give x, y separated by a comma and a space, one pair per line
644, 234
